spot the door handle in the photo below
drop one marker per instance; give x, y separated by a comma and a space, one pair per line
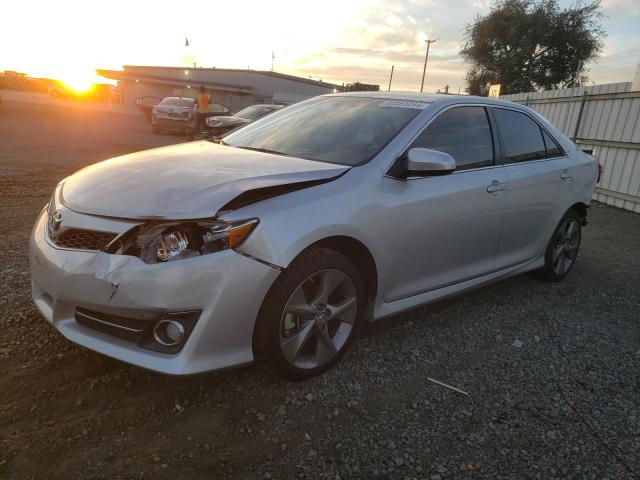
566, 175
496, 186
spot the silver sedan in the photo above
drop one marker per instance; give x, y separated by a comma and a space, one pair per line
280, 241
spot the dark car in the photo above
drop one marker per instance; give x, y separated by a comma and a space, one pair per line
219, 125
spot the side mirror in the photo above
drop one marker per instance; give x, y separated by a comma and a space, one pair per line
426, 162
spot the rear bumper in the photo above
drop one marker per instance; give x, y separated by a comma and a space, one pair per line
227, 287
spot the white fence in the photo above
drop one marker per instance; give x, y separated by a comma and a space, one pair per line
605, 118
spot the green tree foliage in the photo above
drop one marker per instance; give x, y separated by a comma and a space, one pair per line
527, 45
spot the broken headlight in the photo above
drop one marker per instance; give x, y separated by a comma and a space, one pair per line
161, 242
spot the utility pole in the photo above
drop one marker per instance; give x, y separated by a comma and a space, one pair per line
390, 78
426, 57
273, 58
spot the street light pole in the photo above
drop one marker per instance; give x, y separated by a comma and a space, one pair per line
426, 57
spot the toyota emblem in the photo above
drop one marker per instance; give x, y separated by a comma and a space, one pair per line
55, 221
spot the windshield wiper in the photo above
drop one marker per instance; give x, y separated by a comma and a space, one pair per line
263, 150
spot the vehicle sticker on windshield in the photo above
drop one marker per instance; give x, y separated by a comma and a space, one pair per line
404, 104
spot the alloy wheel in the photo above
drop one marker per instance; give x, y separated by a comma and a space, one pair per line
566, 246
318, 318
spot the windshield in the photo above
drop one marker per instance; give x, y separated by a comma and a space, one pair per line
253, 112
344, 130
177, 102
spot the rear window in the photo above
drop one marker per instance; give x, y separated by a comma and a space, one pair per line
521, 136
177, 102
553, 150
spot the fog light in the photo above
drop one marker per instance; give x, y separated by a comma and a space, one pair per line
168, 332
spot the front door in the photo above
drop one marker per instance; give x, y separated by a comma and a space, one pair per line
448, 226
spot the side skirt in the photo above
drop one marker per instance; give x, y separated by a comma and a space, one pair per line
384, 309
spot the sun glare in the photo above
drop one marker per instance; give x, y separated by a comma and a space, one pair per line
78, 84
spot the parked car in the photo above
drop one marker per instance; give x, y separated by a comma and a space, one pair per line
279, 241
146, 104
220, 125
179, 114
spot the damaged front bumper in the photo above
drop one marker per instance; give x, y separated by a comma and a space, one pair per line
225, 288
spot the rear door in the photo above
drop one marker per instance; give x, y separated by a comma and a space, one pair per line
448, 226
540, 186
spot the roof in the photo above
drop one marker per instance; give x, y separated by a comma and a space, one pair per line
267, 105
235, 70
428, 97
411, 96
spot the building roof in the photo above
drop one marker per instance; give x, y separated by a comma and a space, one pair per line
121, 74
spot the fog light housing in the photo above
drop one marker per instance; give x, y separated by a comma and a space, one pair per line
169, 333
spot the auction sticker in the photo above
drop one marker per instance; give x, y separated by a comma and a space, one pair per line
404, 104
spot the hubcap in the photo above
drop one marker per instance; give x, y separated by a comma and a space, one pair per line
318, 318
566, 246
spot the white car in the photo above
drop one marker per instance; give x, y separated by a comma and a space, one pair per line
279, 242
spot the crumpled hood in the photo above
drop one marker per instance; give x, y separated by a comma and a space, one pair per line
189, 180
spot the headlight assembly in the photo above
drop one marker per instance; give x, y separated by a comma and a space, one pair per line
162, 242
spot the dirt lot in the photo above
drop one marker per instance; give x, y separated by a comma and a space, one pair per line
563, 404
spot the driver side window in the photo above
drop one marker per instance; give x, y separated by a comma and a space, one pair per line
462, 132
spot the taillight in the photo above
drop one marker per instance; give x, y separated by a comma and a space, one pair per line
600, 170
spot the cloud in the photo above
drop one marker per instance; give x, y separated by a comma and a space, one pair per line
343, 41
391, 32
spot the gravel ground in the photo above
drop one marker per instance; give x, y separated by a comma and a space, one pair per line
551, 371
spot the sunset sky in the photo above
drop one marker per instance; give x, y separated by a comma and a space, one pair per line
334, 40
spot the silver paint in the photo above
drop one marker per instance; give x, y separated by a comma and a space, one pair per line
430, 237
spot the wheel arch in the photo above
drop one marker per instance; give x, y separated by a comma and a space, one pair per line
354, 250
581, 209
358, 253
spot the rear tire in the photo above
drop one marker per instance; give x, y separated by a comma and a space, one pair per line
562, 250
310, 314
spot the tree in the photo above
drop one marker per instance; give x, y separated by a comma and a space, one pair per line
526, 45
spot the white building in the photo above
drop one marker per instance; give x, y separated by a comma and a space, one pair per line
232, 87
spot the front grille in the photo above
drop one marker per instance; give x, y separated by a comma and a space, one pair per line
80, 239
122, 327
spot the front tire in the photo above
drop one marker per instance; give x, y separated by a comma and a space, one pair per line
310, 315
562, 250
